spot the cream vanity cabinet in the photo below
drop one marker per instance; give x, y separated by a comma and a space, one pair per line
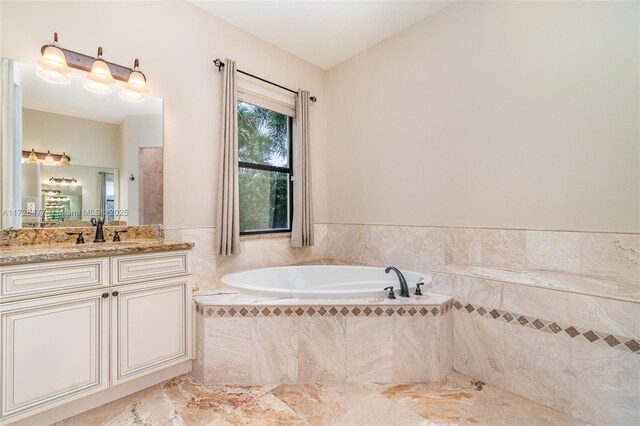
78, 327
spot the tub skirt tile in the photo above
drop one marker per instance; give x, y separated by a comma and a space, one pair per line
227, 351
416, 351
537, 366
321, 350
274, 350
369, 352
605, 384
478, 347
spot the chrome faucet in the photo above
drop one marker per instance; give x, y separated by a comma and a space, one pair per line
404, 288
99, 230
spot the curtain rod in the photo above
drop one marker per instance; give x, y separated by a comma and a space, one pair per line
218, 63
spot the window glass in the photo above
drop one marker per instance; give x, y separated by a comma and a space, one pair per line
264, 145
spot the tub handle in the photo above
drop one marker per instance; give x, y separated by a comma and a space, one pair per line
391, 295
418, 292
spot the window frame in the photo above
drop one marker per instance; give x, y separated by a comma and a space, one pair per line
269, 168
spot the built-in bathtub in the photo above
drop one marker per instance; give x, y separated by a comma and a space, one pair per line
322, 324
323, 281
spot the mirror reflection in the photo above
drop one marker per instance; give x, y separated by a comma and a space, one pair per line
70, 155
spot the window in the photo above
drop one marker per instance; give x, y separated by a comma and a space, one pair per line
264, 145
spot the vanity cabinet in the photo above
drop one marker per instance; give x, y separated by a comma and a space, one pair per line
58, 348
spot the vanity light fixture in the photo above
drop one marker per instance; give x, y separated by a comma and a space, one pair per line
57, 63
54, 63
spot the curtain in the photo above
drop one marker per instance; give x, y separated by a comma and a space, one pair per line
228, 211
302, 227
102, 194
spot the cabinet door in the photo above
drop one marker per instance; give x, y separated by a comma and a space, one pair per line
151, 327
54, 350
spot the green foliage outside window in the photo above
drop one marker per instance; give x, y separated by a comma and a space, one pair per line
263, 140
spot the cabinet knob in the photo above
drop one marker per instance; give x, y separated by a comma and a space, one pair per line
115, 293
105, 295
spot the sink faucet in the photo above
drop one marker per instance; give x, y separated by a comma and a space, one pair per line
99, 231
404, 288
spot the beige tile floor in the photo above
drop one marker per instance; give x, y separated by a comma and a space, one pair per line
459, 400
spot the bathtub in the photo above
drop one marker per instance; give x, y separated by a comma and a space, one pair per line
322, 281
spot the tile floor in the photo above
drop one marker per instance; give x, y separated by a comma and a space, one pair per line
459, 400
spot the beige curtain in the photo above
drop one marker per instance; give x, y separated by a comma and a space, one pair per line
302, 227
228, 212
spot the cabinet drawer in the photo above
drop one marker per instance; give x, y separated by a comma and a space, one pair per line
53, 277
144, 267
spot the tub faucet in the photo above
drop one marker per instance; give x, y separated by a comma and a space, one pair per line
404, 288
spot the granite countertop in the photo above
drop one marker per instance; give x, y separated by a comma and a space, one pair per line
11, 255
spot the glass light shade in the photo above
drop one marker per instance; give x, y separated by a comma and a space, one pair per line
32, 158
100, 72
53, 59
64, 160
74, 182
49, 160
53, 76
131, 95
97, 87
137, 82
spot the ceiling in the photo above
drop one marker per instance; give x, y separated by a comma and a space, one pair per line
323, 32
76, 101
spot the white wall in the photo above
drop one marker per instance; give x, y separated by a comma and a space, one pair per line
87, 142
492, 114
176, 44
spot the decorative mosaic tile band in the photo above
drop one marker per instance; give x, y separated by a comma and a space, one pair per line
627, 344
322, 311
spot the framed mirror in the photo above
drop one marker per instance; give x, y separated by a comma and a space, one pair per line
70, 155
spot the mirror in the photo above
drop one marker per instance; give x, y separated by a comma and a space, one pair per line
69, 155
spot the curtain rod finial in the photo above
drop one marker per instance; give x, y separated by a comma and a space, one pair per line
218, 63
313, 98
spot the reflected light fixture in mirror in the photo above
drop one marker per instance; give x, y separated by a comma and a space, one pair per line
54, 64
32, 158
100, 76
136, 85
49, 160
64, 160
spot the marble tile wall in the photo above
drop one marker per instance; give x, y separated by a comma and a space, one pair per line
393, 347
576, 353
611, 255
615, 256
257, 252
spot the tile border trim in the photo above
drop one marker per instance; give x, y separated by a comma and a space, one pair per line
623, 343
373, 311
